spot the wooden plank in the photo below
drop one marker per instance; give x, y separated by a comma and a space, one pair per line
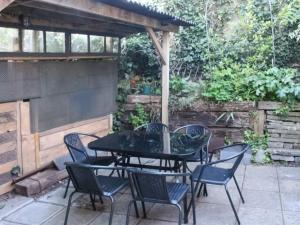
19, 136
28, 153
8, 127
50, 154
143, 99
266, 105
165, 78
9, 146
6, 167
7, 107
56, 139
112, 12
223, 107
297, 114
40, 181
279, 131
8, 137
259, 122
5, 188
7, 117
25, 118
72, 125
8, 156
5, 3
157, 44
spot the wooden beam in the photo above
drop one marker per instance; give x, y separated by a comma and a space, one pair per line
165, 78
157, 44
101, 9
5, 3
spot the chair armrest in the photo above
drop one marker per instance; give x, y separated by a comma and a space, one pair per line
95, 167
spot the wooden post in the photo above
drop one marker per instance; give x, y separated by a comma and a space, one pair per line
165, 78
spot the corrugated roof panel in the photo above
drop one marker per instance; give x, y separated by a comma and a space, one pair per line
146, 10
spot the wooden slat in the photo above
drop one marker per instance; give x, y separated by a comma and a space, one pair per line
28, 153
9, 146
7, 107
7, 117
25, 118
5, 3
56, 139
8, 127
223, 107
259, 122
6, 167
72, 125
4, 188
98, 8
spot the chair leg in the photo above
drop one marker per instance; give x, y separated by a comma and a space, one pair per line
93, 201
232, 206
205, 193
67, 188
185, 209
200, 189
112, 207
144, 210
180, 214
128, 211
193, 203
101, 200
68, 208
238, 187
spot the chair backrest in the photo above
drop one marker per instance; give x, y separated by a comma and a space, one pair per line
237, 152
76, 148
83, 178
148, 186
197, 129
153, 127
194, 129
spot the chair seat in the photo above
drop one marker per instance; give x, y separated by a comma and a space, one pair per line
111, 185
212, 175
102, 160
177, 191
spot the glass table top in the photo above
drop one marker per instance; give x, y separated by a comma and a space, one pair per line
154, 145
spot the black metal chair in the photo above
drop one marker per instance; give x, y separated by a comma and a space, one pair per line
151, 186
79, 153
210, 173
196, 130
152, 128
86, 181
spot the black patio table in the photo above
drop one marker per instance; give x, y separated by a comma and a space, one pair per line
163, 145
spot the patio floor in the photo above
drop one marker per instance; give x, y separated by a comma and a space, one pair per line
272, 196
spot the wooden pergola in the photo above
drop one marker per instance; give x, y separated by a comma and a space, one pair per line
118, 18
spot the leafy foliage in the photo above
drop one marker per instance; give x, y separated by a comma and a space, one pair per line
139, 117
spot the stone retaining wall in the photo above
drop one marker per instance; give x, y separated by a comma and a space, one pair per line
284, 132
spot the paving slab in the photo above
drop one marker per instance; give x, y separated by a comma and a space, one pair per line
217, 195
164, 212
213, 214
289, 186
290, 201
12, 204
292, 173
291, 218
255, 216
103, 218
34, 213
261, 184
260, 172
262, 200
155, 222
56, 196
77, 216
